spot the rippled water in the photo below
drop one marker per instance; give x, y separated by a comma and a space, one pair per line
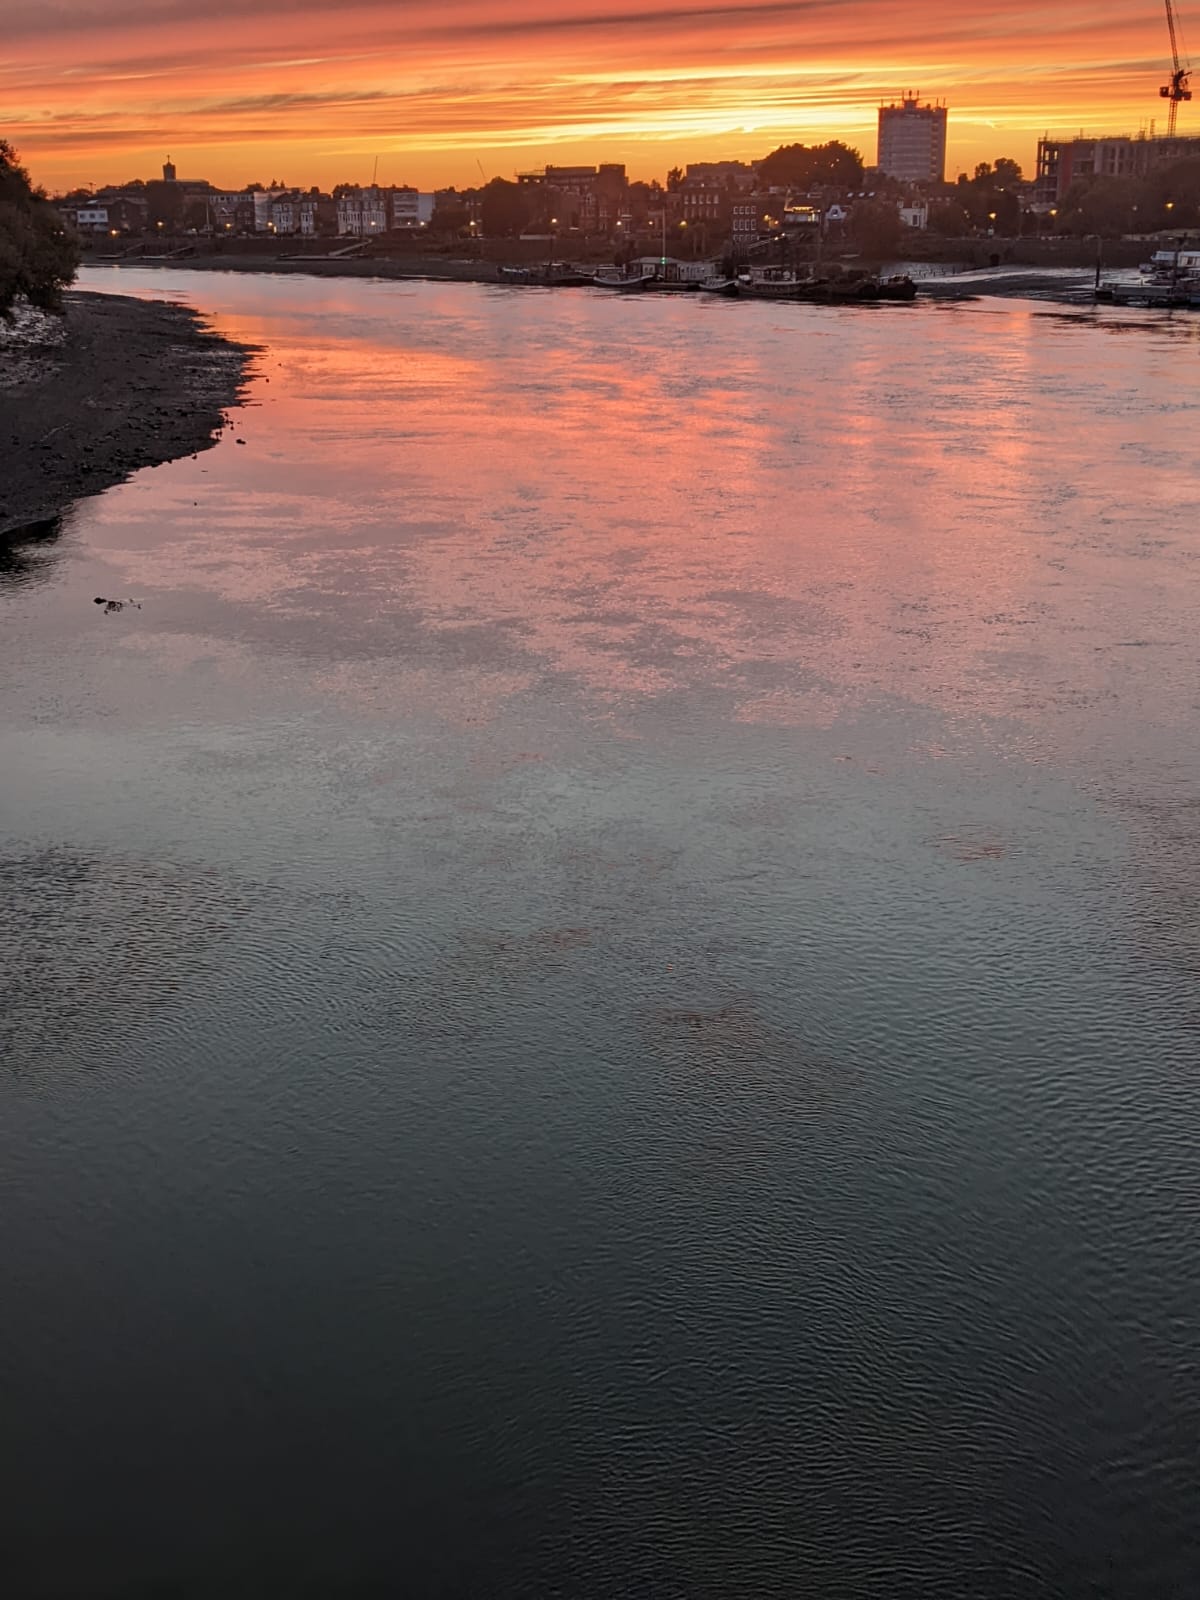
601, 987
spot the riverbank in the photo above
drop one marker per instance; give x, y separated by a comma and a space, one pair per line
89, 398
438, 268
1069, 284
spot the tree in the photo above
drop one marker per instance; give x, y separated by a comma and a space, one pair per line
1004, 213
451, 214
950, 220
875, 228
1170, 197
1099, 205
38, 253
797, 166
502, 209
990, 198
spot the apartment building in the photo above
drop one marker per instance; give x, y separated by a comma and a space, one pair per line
912, 141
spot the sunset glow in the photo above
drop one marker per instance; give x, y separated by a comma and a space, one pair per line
97, 91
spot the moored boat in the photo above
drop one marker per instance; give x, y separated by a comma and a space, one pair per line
623, 282
899, 286
832, 287
1171, 278
1180, 296
547, 275
1172, 266
773, 283
562, 275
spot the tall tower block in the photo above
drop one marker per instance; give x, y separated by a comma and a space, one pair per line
912, 141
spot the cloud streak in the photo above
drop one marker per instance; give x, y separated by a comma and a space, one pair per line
234, 86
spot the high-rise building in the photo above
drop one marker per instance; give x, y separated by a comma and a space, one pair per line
912, 141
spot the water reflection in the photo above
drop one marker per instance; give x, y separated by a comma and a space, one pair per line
611, 954
1180, 326
766, 501
26, 552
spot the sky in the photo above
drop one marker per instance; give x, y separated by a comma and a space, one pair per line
445, 91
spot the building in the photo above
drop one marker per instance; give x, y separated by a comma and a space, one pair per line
736, 175
230, 211
284, 214
405, 207
800, 217
912, 141
263, 200
90, 219
316, 214
583, 199
697, 200
362, 213
752, 215
1062, 162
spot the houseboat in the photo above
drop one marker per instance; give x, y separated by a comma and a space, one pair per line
546, 275
828, 287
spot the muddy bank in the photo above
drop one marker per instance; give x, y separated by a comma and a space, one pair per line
436, 268
87, 399
939, 280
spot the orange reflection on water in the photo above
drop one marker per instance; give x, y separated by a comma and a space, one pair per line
791, 508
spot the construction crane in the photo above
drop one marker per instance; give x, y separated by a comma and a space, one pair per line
1177, 90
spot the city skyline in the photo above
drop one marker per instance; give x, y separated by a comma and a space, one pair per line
442, 95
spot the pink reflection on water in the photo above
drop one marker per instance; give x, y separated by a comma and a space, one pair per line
797, 508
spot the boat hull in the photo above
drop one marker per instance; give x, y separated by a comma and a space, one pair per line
831, 291
551, 277
623, 285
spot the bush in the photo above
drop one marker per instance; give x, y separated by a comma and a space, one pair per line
38, 253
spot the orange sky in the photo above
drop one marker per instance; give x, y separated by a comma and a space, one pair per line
246, 90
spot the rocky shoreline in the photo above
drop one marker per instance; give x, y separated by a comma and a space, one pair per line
89, 398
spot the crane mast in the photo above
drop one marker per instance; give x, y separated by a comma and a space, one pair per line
1177, 90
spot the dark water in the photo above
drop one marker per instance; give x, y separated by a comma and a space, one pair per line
600, 989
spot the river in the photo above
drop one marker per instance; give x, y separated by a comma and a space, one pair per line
601, 985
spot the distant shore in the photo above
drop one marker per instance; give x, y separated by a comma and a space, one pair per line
114, 385
942, 280
311, 265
